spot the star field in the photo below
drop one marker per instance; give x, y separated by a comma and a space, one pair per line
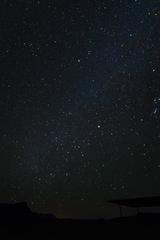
80, 103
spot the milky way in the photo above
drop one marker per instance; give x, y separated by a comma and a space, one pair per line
80, 103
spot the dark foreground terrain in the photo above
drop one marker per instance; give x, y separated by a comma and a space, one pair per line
18, 222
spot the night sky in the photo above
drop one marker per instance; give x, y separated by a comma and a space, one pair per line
79, 103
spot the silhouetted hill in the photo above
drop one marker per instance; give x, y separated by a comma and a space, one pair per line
17, 220
14, 209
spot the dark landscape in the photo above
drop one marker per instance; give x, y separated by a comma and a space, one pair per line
17, 220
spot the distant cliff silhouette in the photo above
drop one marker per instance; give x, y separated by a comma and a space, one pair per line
18, 220
21, 211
